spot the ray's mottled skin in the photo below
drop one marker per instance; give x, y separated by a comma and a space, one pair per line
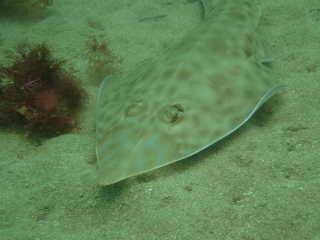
192, 96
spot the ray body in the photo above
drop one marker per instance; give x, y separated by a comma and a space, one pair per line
192, 96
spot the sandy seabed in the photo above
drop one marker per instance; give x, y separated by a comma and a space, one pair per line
261, 182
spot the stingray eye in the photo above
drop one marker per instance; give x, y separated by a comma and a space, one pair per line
135, 107
173, 113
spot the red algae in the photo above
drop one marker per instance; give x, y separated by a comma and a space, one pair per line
38, 94
47, 100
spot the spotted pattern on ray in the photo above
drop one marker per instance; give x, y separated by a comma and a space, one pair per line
195, 94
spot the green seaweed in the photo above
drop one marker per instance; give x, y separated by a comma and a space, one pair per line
23, 9
101, 62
